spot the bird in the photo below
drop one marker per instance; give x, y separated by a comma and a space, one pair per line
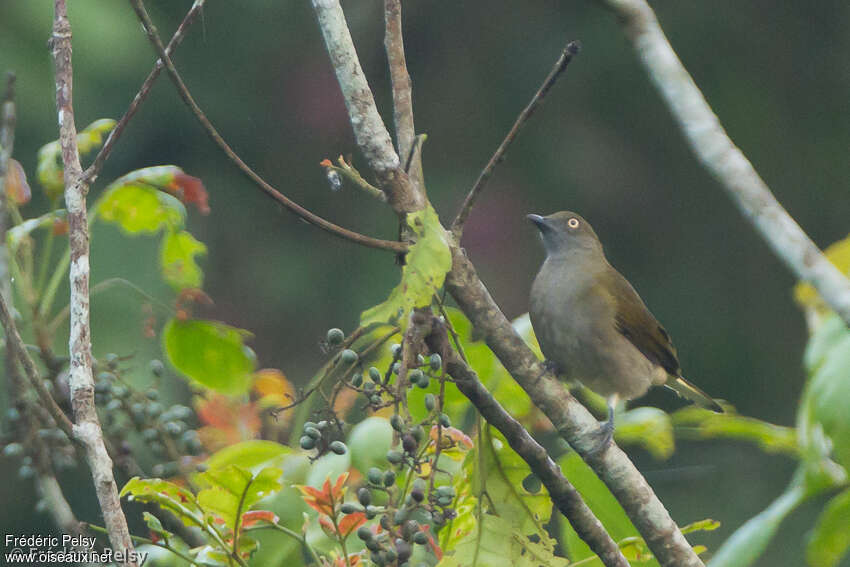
592, 325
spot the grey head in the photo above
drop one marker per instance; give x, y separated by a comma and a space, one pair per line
565, 232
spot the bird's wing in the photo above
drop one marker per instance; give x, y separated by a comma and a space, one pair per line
634, 321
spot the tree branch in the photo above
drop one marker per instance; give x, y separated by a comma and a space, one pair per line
564, 495
87, 428
572, 421
405, 131
93, 170
369, 130
7, 142
719, 155
292, 206
571, 49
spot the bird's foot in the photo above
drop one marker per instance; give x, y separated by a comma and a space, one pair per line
602, 437
549, 367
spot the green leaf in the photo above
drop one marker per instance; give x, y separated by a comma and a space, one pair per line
426, 265
232, 490
499, 543
137, 208
697, 423
50, 171
648, 427
170, 179
168, 496
369, 442
16, 234
251, 455
823, 409
749, 541
707, 525
177, 260
505, 471
210, 353
829, 541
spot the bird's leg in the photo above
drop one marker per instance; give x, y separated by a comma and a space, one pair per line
549, 366
605, 433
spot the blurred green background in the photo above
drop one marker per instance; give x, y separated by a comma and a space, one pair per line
603, 144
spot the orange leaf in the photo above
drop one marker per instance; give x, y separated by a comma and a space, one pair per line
255, 516
17, 188
190, 190
60, 227
325, 500
327, 525
273, 387
351, 522
452, 437
326, 163
226, 420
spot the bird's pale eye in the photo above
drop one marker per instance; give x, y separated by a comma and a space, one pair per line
572, 223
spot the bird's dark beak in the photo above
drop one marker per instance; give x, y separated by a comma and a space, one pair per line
539, 221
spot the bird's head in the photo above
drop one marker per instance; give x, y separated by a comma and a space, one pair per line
564, 232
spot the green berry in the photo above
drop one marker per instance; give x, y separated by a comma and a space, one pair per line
12, 414
399, 517
410, 528
152, 394
119, 391
409, 444
348, 356
369, 386
157, 367
153, 409
150, 434
395, 457
385, 522
423, 382
396, 367
420, 537
338, 447
105, 376
389, 555
397, 422
375, 375
396, 350
364, 496
25, 472
435, 362
420, 360
445, 421
430, 402
371, 512
350, 508
307, 443
175, 428
13, 450
532, 484
114, 405
418, 433
357, 380
403, 550
322, 425
416, 375
364, 533
389, 478
309, 424
335, 336
111, 360
375, 475
313, 433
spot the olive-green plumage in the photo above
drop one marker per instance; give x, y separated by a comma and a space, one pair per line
592, 325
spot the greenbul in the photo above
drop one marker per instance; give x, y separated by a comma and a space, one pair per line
592, 325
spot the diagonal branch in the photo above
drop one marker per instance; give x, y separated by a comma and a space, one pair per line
564, 495
292, 206
571, 49
572, 421
86, 428
719, 155
93, 170
371, 134
405, 131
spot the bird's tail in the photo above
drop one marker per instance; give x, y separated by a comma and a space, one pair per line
692, 393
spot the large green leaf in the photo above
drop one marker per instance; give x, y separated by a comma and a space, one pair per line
830, 538
503, 472
697, 423
177, 260
167, 495
426, 265
210, 353
251, 455
233, 490
138, 208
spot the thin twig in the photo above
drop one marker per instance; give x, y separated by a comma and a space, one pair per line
93, 170
560, 66
87, 427
405, 131
719, 155
8, 118
17, 349
292, 206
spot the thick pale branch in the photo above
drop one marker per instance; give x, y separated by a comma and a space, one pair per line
86, 428
93, 170
724, 160
560, 66
371, 134
292, 206
572, 421
564, 495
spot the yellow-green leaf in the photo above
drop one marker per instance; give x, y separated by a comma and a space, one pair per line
137, 208
830, 539
177, 260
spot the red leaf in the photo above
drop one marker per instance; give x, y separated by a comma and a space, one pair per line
325, 500
191, 190
351, 522
326, 163
327, 525
255, 516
